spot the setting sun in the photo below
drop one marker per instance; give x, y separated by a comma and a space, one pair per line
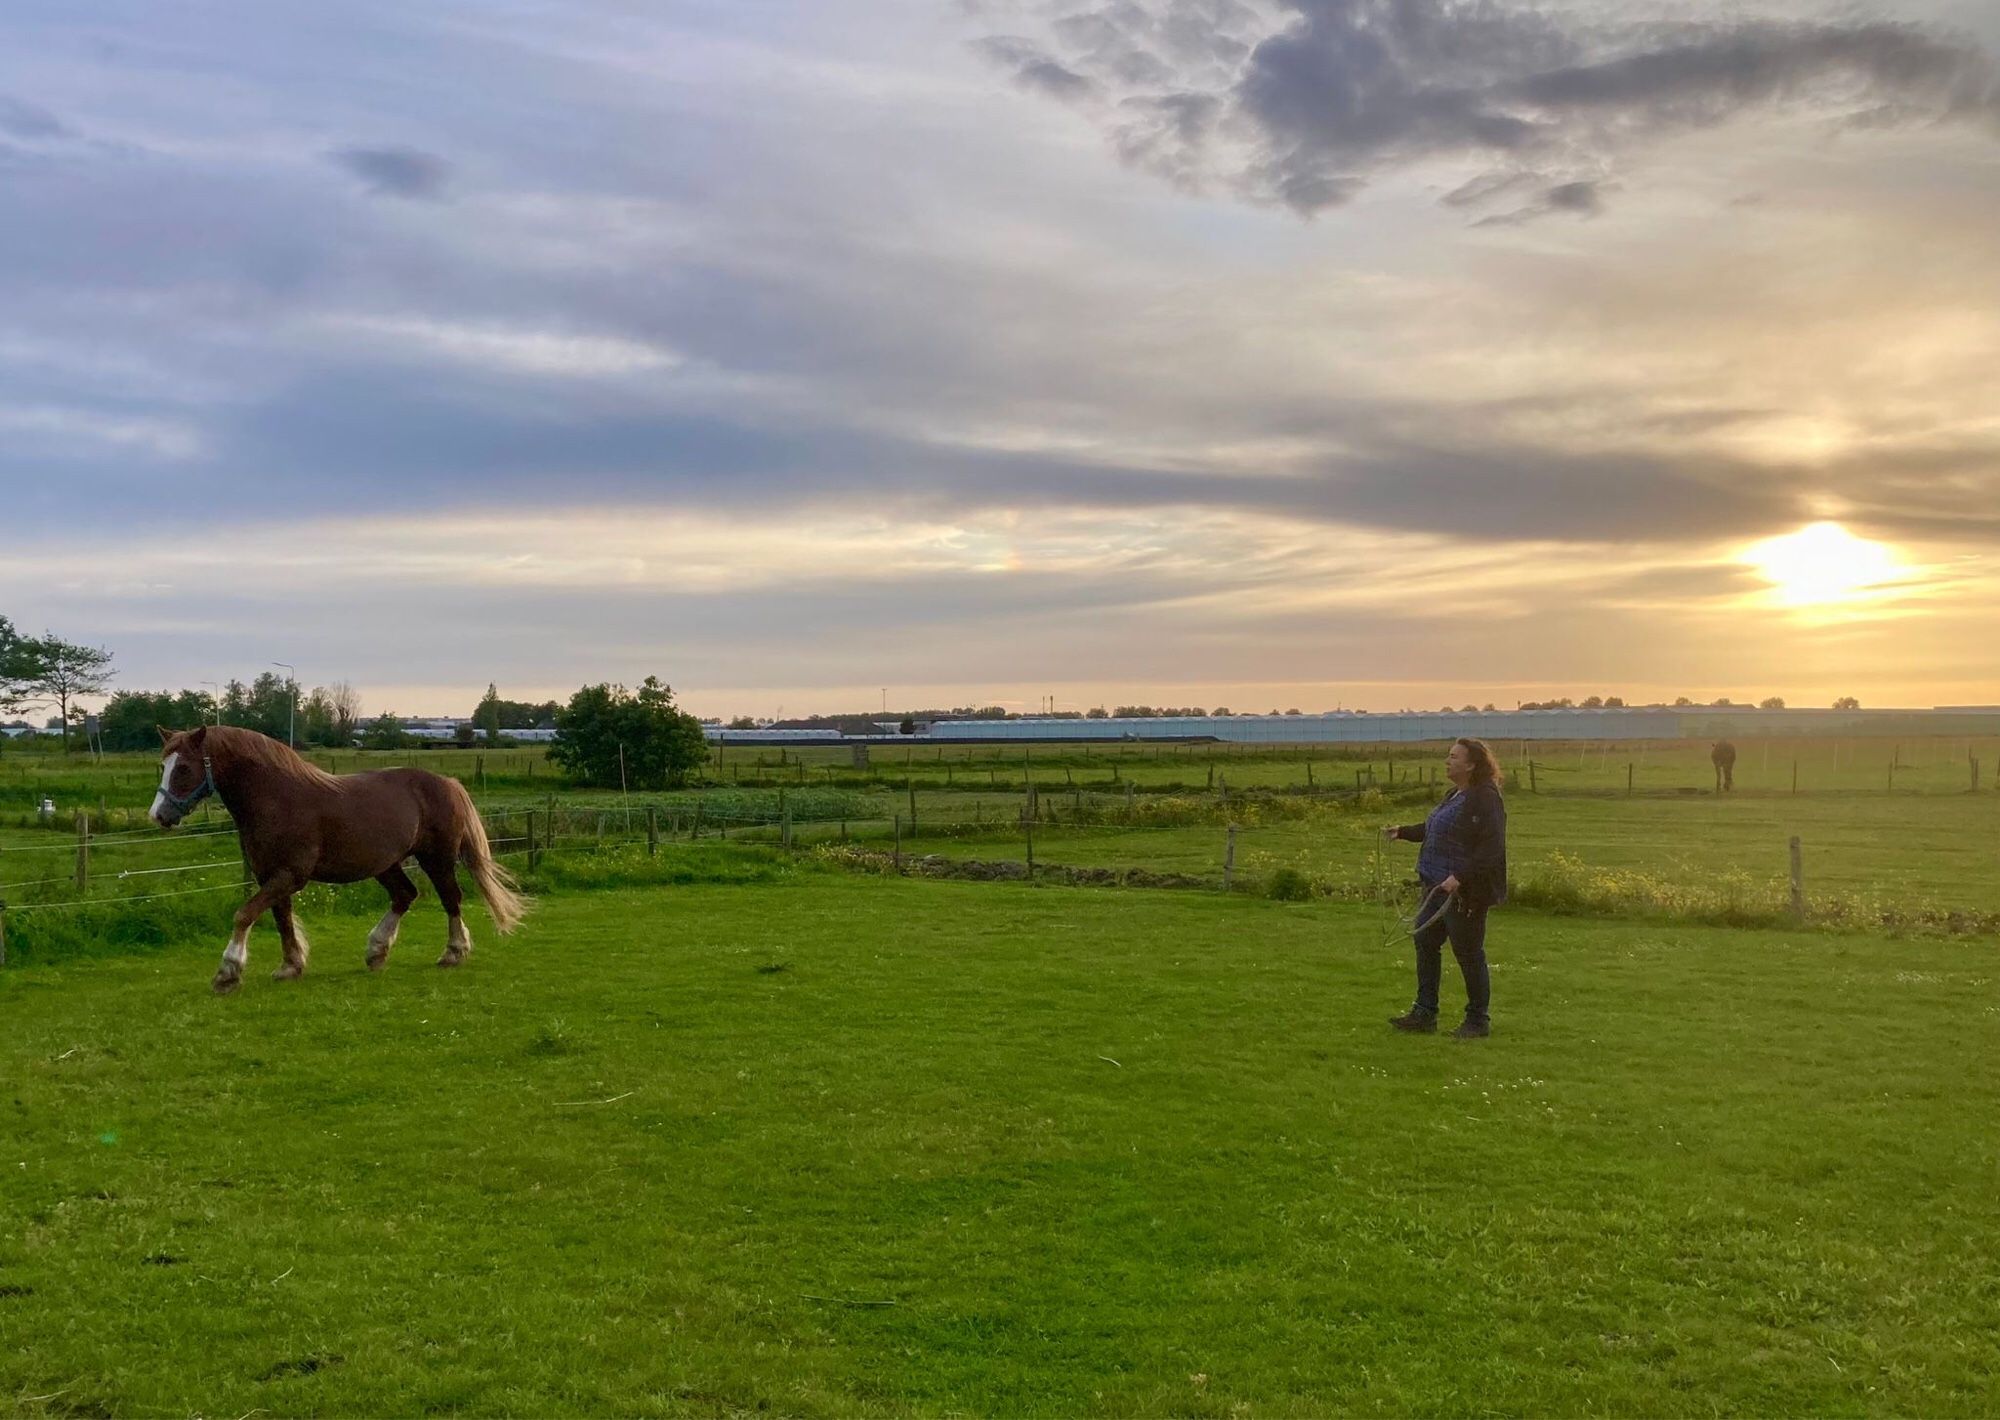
1822, 563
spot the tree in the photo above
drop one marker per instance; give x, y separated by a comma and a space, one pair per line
1771, 702
1614, 702
1681, 702
487, 716
61, 671
385, 733
1096, 712
743, 722
1847, 702
14, 669
345, 701
659, 744
908, 727
1593, 702
130, 718
495, 714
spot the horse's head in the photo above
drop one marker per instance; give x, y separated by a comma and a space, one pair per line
186, 777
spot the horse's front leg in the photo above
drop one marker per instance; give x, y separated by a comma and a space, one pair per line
278, 887
297, 948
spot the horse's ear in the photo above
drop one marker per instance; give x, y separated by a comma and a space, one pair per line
166, 735
198, 736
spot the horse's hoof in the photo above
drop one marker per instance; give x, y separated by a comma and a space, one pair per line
288, 973
376, 963
226, 983
449, 960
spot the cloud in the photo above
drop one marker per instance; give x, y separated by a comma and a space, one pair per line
507, 349
1033, 69
19, 119
396, 172
1308, 107
1580, 199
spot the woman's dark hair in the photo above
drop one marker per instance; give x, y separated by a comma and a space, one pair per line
1485, 768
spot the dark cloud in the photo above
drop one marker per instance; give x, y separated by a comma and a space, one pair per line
1033, 69
396, 172
19, 119
1342, 91
1578, 199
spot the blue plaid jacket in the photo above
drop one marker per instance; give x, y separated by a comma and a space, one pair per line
1465, 835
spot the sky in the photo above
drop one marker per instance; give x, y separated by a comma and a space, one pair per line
1265, 353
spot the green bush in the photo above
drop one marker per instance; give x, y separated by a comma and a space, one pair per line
1288, 885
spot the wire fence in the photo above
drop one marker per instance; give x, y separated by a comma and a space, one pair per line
1315, 844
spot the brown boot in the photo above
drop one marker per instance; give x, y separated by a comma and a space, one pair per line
1472, 1030
1415, 1022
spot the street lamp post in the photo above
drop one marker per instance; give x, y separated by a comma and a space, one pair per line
217, 698
292, 721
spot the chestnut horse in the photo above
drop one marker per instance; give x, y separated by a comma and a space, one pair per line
300, 825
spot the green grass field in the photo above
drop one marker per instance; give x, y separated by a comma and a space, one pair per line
834, 1145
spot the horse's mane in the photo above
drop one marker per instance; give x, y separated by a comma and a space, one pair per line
249, 746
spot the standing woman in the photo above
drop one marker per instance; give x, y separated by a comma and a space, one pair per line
1462, 867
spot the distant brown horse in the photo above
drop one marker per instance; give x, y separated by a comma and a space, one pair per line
300, 824
1722, 754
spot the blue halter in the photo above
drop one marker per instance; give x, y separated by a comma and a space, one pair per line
179, 803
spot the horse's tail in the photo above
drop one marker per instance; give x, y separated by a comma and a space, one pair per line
496, 885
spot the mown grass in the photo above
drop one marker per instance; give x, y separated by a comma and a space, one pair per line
839, 1146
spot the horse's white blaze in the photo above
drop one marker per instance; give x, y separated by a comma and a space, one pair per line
166, 778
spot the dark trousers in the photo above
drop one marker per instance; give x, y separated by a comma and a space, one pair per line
1448, 920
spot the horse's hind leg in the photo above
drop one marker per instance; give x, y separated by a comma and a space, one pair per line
297, 948
402, 892
443, 873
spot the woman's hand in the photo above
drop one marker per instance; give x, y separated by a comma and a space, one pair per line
1391, 831
1450, 885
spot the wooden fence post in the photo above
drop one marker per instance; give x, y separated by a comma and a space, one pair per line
1229, 858
1628, 779
785, 822
82, 854
1028, 825
1533, 787
1798, 881
913, 810
534, 853
899, 843
652, 830
1795, 776
1975, 775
